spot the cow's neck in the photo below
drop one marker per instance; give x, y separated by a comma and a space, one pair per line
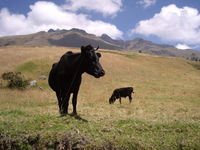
79, 69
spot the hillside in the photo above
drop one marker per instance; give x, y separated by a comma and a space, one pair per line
70, 38
76, 38
164, 113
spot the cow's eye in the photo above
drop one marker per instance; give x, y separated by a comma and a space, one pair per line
89, 55
92, 57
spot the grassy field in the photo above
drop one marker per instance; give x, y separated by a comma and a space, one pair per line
164, 114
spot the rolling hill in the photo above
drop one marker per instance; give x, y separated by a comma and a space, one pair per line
76, 38
164, 113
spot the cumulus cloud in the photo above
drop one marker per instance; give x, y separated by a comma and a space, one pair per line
146, 3
182, 46
11, 23
173, 24
106, 7
45, 15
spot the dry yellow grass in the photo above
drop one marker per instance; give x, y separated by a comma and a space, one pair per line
12, 56
165, 88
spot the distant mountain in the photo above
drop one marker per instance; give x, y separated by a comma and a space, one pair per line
119, 43
143, 46
69, 38
76, 38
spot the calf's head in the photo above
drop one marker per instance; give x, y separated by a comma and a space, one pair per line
112, 99
92, 65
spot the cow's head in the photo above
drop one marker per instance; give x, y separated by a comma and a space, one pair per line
112, 99
92, 65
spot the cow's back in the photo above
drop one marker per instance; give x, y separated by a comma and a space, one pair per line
128, 90
123, 92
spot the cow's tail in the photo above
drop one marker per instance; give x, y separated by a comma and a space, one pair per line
51, 79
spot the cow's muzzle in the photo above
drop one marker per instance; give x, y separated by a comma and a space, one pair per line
100, 74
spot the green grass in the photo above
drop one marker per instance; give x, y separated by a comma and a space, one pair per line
28, 67
122, 134
164, 113
34, 69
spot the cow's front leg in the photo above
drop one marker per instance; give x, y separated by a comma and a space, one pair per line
74, 102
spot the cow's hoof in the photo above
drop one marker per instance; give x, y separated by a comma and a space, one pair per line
63, 114
74, 114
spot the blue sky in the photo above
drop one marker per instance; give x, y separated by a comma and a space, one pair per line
174, 22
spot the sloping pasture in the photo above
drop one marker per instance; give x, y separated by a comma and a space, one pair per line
164, 113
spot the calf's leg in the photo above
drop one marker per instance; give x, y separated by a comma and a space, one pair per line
120, 100
130, 98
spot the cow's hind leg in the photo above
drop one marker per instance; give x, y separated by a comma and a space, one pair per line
65, 103
58, 94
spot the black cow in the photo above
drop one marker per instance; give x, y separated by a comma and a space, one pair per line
121, 92
65, 76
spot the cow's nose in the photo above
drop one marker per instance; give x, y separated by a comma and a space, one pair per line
102, 73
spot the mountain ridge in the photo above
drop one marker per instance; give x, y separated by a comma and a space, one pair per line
77, 37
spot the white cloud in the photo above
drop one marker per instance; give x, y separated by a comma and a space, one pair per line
11, 23
106, 7
147, 3
45, 15
182, 46
173, 24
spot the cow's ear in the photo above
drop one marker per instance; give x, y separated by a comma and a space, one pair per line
83, 50
99, 55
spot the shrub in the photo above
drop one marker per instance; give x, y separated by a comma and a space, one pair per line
15, 80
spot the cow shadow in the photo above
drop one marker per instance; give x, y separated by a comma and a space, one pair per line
75, 116
78, 117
